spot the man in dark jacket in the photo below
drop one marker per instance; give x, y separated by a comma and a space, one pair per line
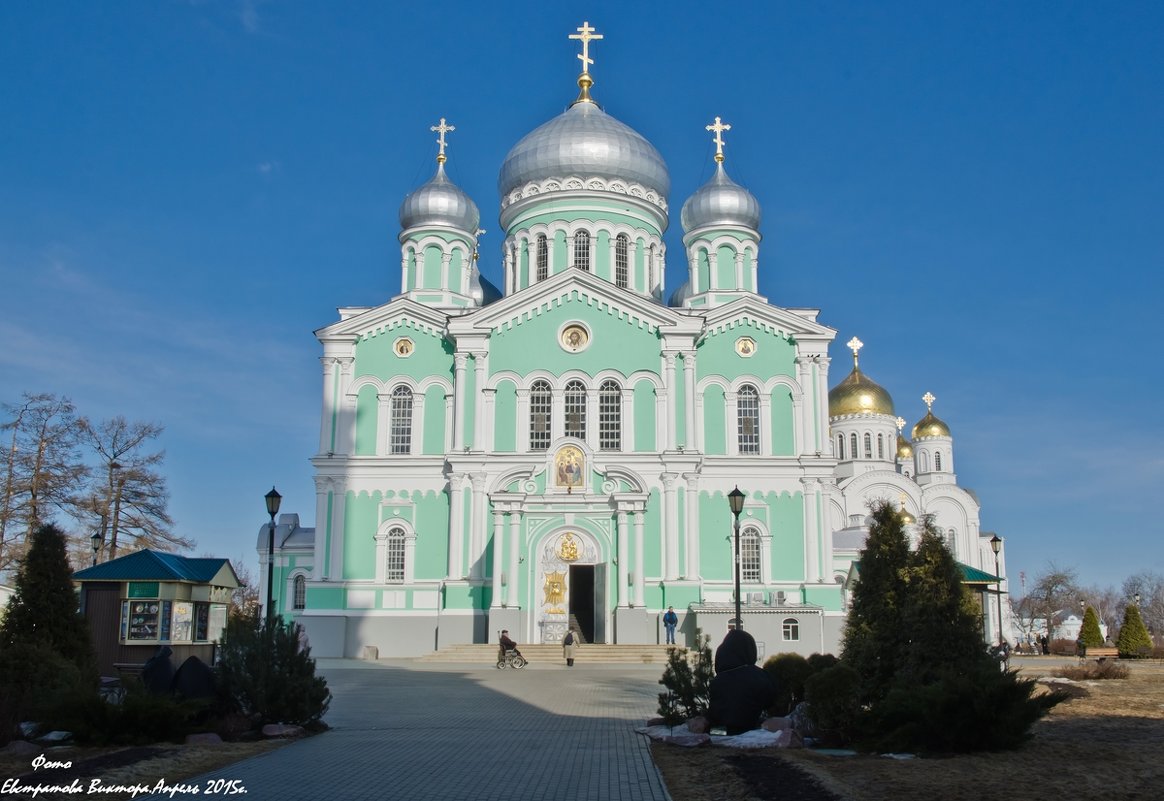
740, 690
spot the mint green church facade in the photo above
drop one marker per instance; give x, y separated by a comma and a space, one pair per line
558, 451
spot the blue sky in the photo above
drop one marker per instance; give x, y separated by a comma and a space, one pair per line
189, 189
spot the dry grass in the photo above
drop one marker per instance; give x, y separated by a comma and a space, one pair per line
1105, 745
1094, 671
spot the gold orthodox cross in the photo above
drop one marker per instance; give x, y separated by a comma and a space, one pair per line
441, 130
929, 399
719, 127
855, 345
900, 424
586, 35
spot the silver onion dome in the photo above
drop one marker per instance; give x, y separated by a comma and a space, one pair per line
720, 201
586, 142
439, 202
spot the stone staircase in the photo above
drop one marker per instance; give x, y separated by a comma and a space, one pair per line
590, 653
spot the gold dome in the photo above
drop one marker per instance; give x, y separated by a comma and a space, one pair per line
858, 394
930, 426
904, 449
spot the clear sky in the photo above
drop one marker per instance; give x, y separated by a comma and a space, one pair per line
189, 189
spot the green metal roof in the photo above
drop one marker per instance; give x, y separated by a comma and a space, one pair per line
970, 575
150, 565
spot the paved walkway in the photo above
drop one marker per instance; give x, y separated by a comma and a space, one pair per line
404, 730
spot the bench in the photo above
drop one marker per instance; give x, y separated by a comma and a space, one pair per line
1101, 653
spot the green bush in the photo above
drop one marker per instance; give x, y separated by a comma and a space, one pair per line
1090, 634
834, 704
818, 662
33, 678
687, 678
983, 709
1134, 641
788, 672
266, 671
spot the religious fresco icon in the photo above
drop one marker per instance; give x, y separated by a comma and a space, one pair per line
404, 347
568, 465
745, 346
575, 338
555, 589
568, 548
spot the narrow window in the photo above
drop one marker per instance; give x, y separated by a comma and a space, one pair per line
576, 410
937, 460
300, 593
868, 447
610, 416
582, 250
394, 555
400, 415
791, 629
543, 257
540, 405
621, 271
951, 539
853, 446
880, 446
748, 408
840, 446
750, 555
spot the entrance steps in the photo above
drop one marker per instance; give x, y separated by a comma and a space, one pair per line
592, 653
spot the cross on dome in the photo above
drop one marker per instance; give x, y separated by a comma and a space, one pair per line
442, 129
900, 424
719, 127
586, 35
855, 345
929, 399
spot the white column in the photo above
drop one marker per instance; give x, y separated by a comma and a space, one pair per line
632, 266
740, 270
522, 420
800, 408
551, 240
661, 404
488, 421
593, 245
336, 557
693, 272
346, 416
557, 414
691, 496
459, 362
755, 260
498, 533
477, 527
449, 402
819, 419
592, 418
731, 422
319, 552
456, 525
383, 412
613, 270
404, 272
669, 379
639, 566
689, 399
328, 412
628, 420
416, 441
670, 529
446, 260
765, 422
624, 593
811, 488
514, 556
479, 365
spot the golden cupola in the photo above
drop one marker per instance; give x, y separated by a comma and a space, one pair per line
857, 393
930, 425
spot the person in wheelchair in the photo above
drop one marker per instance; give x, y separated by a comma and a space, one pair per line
506, 646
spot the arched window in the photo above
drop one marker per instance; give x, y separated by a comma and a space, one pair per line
748, 412
880, 446
924, 462
868, 446
750, 555
951, 539
853, 446
791, 629
400, 417
299, 593
621, 270
937, 460
394, 555
540, 406
576, 410
543, 257
840, 446
582, 250
610, 416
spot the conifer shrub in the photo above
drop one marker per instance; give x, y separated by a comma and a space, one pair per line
139, 719
834, 704
687, 678
1134, 641
265, 671
1090, 634
788, 672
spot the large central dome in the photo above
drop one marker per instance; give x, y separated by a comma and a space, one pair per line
584, 142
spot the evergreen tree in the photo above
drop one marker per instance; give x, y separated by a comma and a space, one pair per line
43, 610
944, 631
1090, 634
1134, 640
875, 632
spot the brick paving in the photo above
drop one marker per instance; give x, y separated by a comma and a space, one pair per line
405, 730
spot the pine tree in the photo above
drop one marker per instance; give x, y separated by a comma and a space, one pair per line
1134, 640
1090, 634
875, 632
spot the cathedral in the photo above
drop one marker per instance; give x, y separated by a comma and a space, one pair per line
558, 452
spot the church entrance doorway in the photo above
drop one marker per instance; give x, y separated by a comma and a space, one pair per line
582, 600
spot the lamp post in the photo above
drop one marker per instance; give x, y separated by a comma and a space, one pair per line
1137, 600
95, 540
996, 546
736, 501
273, 499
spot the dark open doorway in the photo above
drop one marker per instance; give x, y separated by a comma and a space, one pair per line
582, 599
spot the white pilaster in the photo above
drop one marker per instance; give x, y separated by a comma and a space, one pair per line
691, 497
477, 527
640, 567
670, 521
623, 535
456, 525
689, 399
498, 533
460, 360
731, 423
514, 557
479, 364
672, 412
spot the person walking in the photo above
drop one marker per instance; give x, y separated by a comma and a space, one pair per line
670, 621
569, 647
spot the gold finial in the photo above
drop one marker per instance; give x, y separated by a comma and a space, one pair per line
442, 129
585, 35
900, 424
476, 241
719, 127
929, 399
855, 345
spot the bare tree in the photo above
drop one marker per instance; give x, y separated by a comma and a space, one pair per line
1053, 594
42, 467
130, 497
244, 601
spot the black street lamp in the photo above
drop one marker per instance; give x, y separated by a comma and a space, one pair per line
1137, 600
95, 540
736, 501
273, 499
996, 546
